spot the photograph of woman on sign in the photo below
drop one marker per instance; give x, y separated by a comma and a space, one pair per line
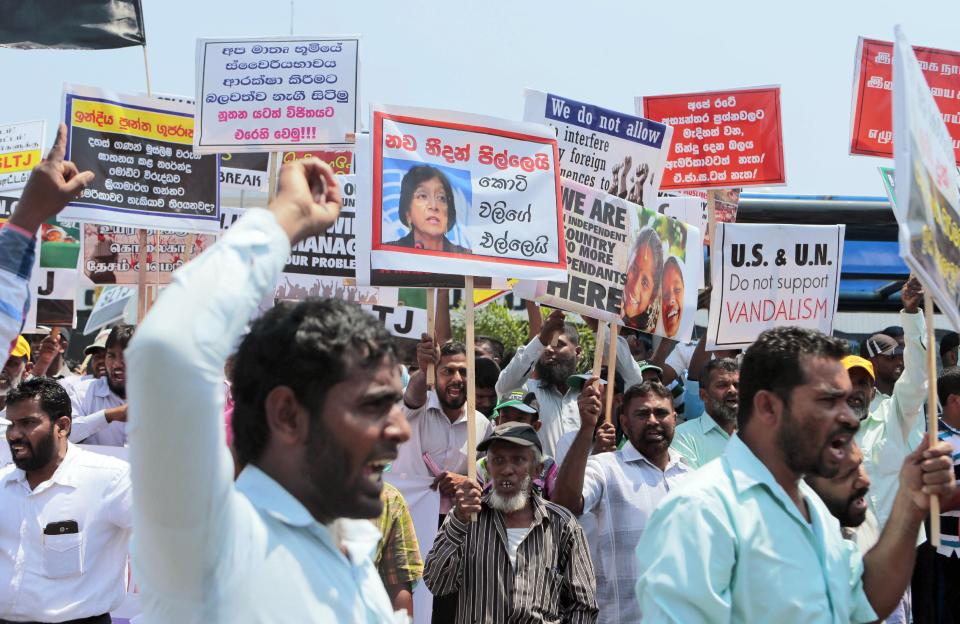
427, 210
641, 293
672, 296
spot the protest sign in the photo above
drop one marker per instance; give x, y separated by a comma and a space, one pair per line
111, 254
401, 321
325, 266
721, 138
598, 232
927, 205
260, 95
245, 172
721, 208
871, 127
663, 270
109, 307
21, 149
53, 283
760, 281
341, 161
462, 194
686, 208
617, 153
147, 174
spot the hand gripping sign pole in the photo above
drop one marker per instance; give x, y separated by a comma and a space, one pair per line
431, 330
611, 372
932, 427
471, 387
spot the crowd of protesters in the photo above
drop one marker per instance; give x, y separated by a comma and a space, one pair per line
793, 488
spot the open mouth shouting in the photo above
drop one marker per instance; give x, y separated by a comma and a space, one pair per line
373, 469
839, 446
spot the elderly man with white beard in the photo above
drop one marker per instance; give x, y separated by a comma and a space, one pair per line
524, 559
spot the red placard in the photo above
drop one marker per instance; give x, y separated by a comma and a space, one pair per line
721, 139
872, 131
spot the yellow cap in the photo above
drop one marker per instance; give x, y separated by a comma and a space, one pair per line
21, 348
855, 361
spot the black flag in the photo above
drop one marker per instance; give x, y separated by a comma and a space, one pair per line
71, 24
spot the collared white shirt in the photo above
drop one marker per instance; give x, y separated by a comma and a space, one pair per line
51, 578
621, 489
432, 432
559, 413
90, 399
207, 549
894, 427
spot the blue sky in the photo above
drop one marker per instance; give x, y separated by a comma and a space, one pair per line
479, 56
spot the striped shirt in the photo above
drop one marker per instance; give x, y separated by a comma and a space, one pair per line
950, 520
552, 581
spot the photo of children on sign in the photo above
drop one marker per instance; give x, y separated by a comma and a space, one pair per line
664, 268
423, 214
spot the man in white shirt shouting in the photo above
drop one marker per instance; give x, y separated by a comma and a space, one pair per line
316, 419
100, 405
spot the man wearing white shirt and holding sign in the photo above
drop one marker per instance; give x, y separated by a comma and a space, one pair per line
66, 520
316, 419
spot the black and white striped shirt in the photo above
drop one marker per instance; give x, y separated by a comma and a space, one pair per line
552, 581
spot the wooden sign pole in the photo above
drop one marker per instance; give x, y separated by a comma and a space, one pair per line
611, 371
932, 427
432, 331
471, 387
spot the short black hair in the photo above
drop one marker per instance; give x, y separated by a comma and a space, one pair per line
775, 363
120, 335
726, 365
309, 346
950, 340
571, 332
452, 347
54, 400
415, 176
948, 383
495, 346
487, 372
646, 388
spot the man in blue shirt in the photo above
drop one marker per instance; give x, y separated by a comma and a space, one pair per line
748, 540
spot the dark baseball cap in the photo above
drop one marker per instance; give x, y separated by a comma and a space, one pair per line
515, 433
880, 344
521, 400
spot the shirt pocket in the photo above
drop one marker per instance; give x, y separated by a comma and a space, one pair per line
63, 555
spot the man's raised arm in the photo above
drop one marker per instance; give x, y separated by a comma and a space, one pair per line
182, 472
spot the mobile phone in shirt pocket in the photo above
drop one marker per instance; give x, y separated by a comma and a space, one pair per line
63, 555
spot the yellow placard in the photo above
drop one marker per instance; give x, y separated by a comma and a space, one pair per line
14, 162
159, 126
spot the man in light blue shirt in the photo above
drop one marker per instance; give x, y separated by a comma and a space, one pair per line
704, 439
316, 418
748, 540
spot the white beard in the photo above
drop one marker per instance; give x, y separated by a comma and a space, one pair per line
513, 503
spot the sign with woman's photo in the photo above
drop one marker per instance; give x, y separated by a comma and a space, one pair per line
617, 153
598, 231
461, 194
663, 271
